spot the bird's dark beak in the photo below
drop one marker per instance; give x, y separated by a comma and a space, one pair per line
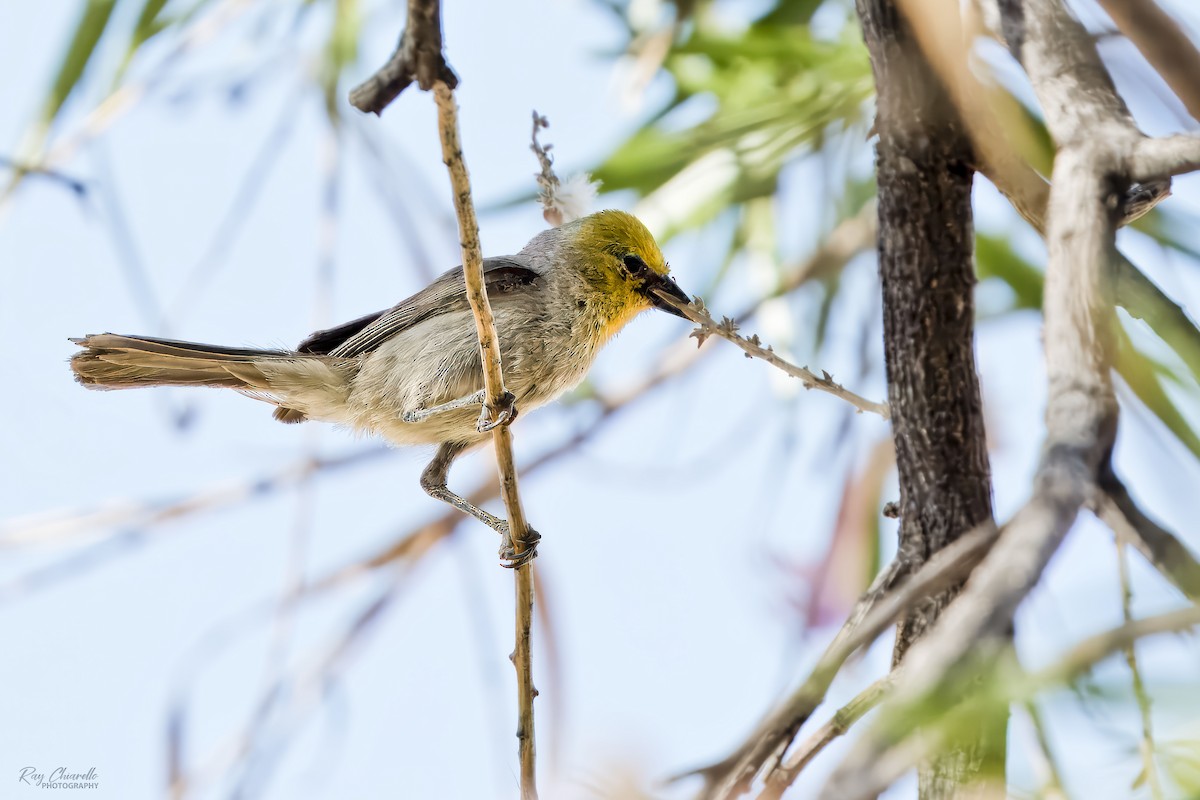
659, 287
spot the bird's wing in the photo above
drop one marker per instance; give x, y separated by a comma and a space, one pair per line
504, 277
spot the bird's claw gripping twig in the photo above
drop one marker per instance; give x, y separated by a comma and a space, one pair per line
503, 413
509, 556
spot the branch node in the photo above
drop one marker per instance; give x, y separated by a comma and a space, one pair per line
418, 57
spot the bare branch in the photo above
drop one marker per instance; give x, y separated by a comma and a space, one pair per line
878, 608
547, 181
1159, 546
1146, 748
562, 201
999, 161
418, 57
1046, 763
493, 380
1094, 649
753, 347
19, 168
841, 722
1158, 159
1010, 684
66, 527
1168, 49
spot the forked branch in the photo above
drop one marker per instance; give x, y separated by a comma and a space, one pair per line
1097, 139
418, 57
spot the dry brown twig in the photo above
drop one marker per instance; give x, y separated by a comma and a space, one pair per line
838, 725
562, 201
1146, 746
1010, 684
1160, 547
753, 347
885, 601
496, 394
418, 57
547, 181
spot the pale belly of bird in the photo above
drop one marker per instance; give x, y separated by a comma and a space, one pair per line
445, 352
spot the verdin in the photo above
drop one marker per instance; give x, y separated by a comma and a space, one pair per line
412, 373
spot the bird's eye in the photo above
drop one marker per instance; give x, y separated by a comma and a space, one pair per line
634, 264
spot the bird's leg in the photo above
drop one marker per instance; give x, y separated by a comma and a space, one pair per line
504, 414
433, 481
422, 414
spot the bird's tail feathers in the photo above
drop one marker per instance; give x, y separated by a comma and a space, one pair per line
111, 361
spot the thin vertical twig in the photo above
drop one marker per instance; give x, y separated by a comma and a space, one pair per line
1052, 787
1146, 745
548, 182
489, 350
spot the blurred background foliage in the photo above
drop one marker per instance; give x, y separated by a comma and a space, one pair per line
740, 96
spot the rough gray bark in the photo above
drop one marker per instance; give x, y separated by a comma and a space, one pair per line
926, 245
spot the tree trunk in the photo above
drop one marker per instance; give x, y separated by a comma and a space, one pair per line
926, 243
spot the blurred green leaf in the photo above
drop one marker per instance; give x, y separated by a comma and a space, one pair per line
1181, 761
777, 93
790, 12
829, 287
1144, 300
149, 22
91, 26
1027, 131
1144, 376
1170, 229
996, 258
341, 51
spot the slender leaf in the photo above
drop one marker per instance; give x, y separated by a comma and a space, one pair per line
996, 258
91, 26
779, 93
1143, 299
149, 23
341, 51
1144, 375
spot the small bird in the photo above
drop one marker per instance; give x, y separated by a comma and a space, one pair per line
412, 373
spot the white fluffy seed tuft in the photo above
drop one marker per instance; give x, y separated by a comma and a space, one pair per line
572, 199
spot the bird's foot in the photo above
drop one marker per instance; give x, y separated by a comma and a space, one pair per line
509, 556
503, 413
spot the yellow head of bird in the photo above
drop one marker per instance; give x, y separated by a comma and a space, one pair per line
624, 267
